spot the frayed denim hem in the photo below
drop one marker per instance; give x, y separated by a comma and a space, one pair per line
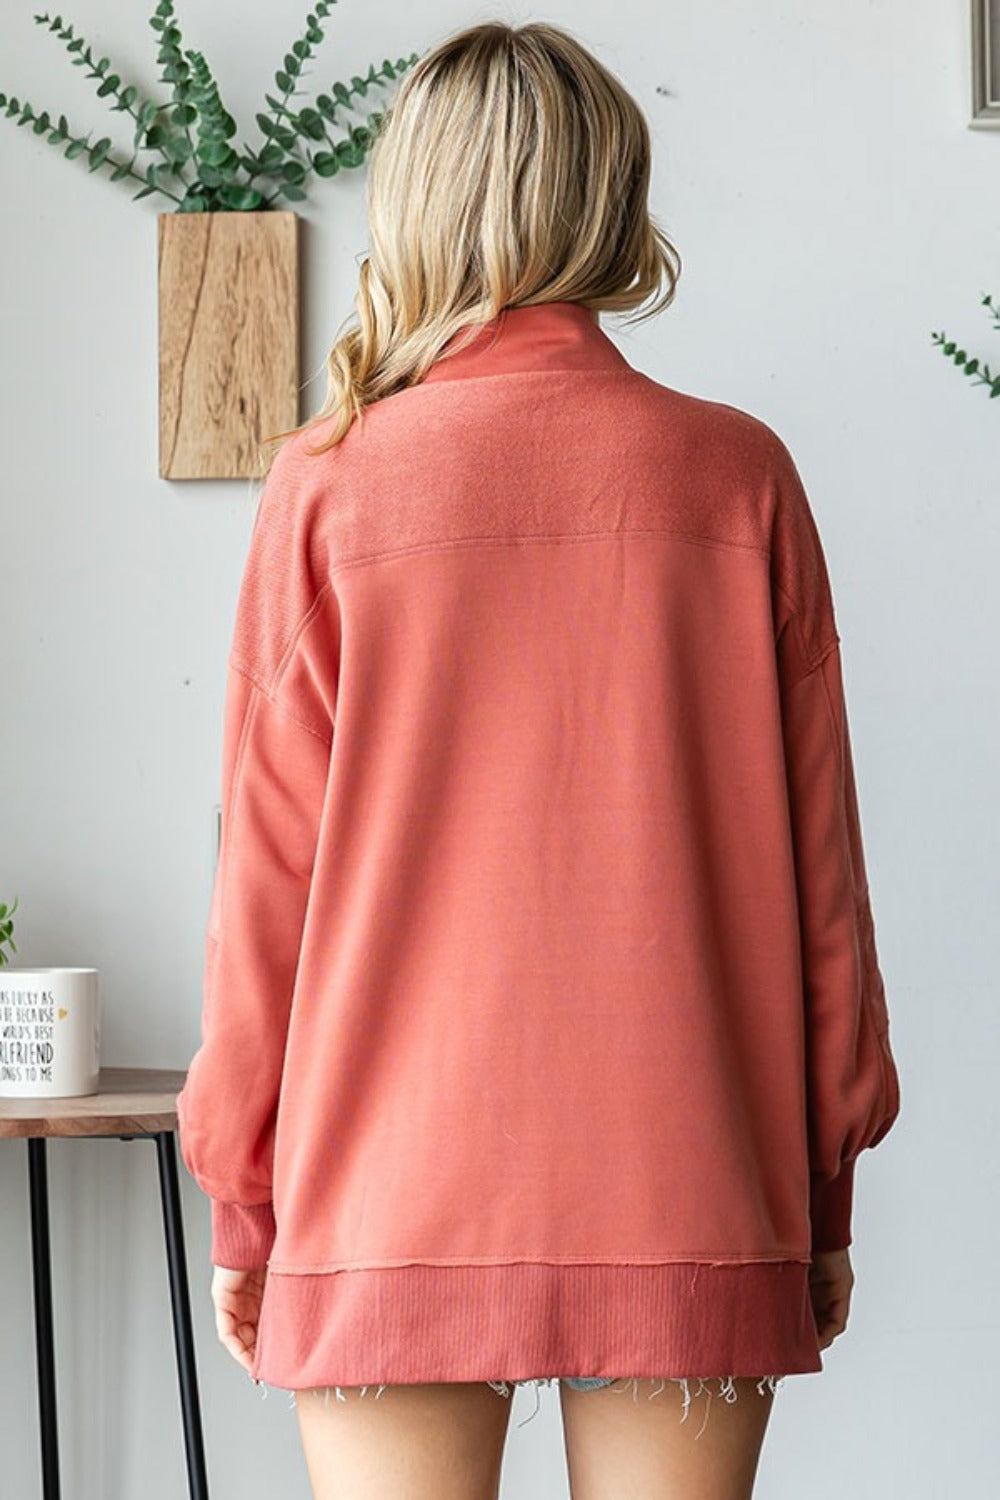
765, 1385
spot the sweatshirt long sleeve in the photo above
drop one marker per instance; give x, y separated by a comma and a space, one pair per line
275, 755
852, 1081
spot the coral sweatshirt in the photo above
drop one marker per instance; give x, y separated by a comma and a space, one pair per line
542, 1019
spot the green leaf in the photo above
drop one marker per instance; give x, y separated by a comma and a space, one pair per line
292, 65
75, 147
108, 86
311, 124
284, 82
99, 151
972, 367
326, 163
290, 191
349, 154
177, 149
215, 153
241, 198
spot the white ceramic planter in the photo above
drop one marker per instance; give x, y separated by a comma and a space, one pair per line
50, 1033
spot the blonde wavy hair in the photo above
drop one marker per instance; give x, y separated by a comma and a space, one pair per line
511, 168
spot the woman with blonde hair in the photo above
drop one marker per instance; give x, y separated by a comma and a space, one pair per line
543, 1023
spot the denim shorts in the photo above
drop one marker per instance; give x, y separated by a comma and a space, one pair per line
765, 1384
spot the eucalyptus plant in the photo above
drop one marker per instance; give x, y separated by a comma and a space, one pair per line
7, 930
969, 364
191, 131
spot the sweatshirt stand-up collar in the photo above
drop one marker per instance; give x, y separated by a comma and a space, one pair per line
542, 336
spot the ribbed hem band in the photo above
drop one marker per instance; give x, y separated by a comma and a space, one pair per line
519, 1321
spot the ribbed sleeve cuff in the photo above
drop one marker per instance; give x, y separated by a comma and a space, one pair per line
831, 1203
242, 1234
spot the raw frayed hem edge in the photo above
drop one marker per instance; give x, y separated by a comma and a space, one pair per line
765, 1385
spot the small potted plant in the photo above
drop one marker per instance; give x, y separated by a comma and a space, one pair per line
49, 1026
7, 930
228, 254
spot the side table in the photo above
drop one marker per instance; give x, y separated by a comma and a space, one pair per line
132, 1104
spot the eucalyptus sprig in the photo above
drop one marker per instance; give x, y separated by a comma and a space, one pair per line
968, 364
191, 130
7, 929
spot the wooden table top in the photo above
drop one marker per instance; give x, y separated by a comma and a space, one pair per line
130, 1101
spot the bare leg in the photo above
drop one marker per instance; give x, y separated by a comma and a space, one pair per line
632, 1441
416, 1442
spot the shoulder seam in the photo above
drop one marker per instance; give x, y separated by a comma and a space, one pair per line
295, 636
517, 540
818, 658
271, 697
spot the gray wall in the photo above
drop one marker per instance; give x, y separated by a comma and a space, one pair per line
832, 207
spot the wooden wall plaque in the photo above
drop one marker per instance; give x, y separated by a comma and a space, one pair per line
228, 296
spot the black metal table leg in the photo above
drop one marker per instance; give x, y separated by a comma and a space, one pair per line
181, 1306
41, 1265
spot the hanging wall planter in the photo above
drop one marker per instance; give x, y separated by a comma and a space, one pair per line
229, 339
228, 261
